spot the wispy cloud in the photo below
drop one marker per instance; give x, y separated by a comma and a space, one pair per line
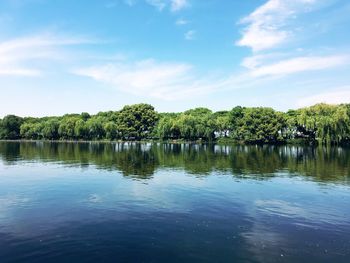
267, 27
144, 78
161, 80
299, 64
17, 56
159, 4
334, 96
177, 5
17, 71
181, 22
177, 81
173, 5
190, 35
256, 61
114, 3
269, 32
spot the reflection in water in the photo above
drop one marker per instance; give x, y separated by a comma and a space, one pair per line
142, 160
75, 202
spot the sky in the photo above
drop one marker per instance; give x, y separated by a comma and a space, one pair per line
66, 56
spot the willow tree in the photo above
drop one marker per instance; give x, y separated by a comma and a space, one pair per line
329, 123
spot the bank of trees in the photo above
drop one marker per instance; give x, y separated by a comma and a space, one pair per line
322, 123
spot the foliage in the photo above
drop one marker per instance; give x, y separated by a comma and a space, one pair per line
328, 124
261, 125
321, 123
137, 121
10, 127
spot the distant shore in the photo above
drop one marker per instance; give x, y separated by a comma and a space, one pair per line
217, 142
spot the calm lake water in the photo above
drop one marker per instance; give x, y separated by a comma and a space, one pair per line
90, 202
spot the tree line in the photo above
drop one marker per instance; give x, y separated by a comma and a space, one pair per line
321, 123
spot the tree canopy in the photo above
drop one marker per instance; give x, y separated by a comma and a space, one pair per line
321, 123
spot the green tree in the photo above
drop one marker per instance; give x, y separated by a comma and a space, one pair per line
11, 127
196, 124
222, 123
167, 127
137, 121
261, 125
81, 129
328, 124
31, 130
95, 128
111, 130
322, 123
66, 130
50, 129
85, 116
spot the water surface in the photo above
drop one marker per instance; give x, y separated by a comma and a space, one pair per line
96, 202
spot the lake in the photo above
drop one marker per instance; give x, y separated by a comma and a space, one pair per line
130, 202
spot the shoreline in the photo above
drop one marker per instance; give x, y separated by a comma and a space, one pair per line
218, 142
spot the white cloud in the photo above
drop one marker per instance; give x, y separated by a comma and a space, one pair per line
159, 4
190, 35
178, 81
39, 41
181, 22
145, 78
295, 65
17, 55
173, 5
253, 62
177, 5
149, 78
16, 71
267, 25
335, 96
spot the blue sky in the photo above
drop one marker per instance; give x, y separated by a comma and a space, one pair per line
97, 55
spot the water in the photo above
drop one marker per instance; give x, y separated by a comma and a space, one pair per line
89, 202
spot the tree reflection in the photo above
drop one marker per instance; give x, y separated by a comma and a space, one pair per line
141, 160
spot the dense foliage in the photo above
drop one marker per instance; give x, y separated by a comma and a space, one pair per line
322, 123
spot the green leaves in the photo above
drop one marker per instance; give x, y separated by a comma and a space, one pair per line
10, 127
260, 125
327, 124
137, 121
193, 124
